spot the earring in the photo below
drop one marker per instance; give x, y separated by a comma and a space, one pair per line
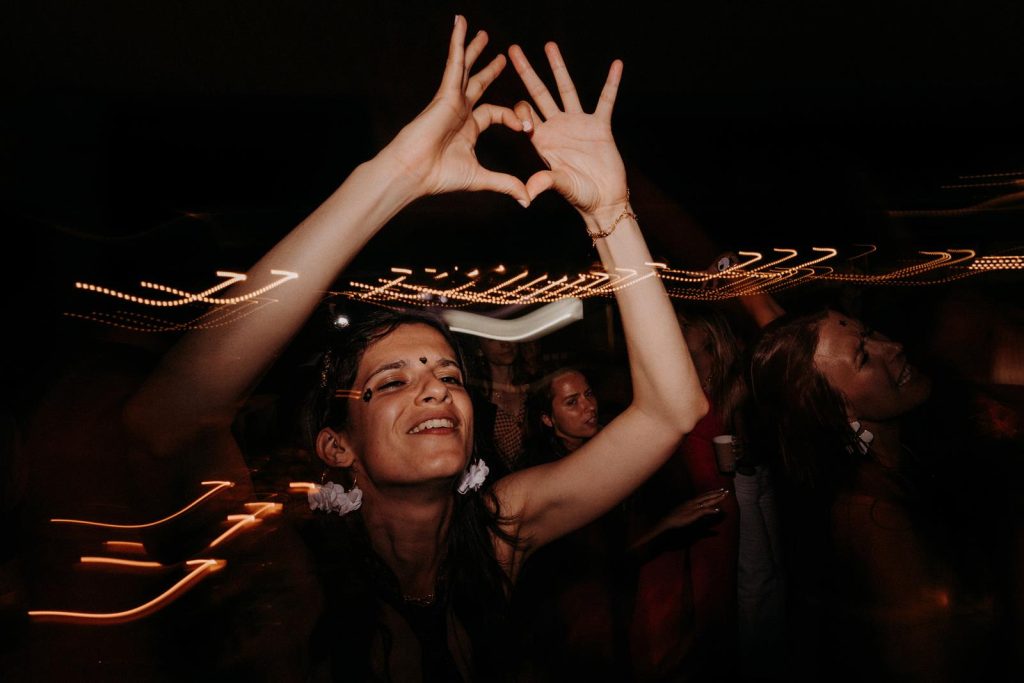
331, 497
474, 476
864, 437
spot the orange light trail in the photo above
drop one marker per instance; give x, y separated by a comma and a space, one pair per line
132, 547
242, 522
189, 298
217, 487
88, 559
201, 569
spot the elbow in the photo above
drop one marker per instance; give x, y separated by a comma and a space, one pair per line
694, 413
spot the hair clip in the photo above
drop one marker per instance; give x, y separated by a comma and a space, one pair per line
325, 368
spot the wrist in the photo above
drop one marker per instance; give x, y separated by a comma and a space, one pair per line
602, 222
400, 176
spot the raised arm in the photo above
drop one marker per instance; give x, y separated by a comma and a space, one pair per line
585, 167
200, 383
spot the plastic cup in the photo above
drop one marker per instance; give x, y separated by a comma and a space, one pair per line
725, 453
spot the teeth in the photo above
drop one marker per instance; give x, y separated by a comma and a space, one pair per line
904, 376
436, 423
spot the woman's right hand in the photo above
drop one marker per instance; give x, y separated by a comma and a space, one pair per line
437, 149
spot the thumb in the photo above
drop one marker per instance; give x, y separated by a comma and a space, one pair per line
503, 183
540, 182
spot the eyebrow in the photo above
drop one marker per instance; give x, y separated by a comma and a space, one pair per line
394, 365
399, 364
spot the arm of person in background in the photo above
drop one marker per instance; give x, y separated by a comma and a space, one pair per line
585, 168
762, 308
684, 515
199, 385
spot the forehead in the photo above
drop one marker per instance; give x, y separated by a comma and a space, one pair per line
406, 342
839, 335
569, 383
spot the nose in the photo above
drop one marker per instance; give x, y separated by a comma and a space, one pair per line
433, 390
886, 346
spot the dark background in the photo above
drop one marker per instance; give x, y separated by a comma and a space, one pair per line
165, 141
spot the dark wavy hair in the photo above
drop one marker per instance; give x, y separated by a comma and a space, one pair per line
727, 387
476, 585
818, 449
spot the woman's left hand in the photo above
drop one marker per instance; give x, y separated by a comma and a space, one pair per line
578, 148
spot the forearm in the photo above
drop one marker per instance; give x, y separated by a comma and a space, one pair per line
202, 379
762, 308
665, 384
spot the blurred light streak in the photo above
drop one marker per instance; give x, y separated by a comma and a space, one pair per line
200, 569
217, 487
871, 249
189, 298
376, 290
990, 175
506, 283
241, 521
998, 263
139, 322
533, 325
544, 288
965, 186
132, 547
88, 559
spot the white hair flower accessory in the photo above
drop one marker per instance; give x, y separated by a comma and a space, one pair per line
333, 497
474, 476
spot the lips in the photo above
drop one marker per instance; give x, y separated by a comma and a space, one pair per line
433, 424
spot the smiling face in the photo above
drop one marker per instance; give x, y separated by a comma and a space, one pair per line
418, 424
868, 369
573, 415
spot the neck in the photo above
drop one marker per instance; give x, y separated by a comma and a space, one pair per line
570, 443
409, 533
501, 374
886, 447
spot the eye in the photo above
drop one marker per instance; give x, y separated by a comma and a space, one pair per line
454, 380
391, 384
571, 402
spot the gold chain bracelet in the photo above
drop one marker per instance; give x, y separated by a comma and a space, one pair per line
626, 213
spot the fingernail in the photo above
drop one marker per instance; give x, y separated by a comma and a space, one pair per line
456, 20
523, 203
527, 126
